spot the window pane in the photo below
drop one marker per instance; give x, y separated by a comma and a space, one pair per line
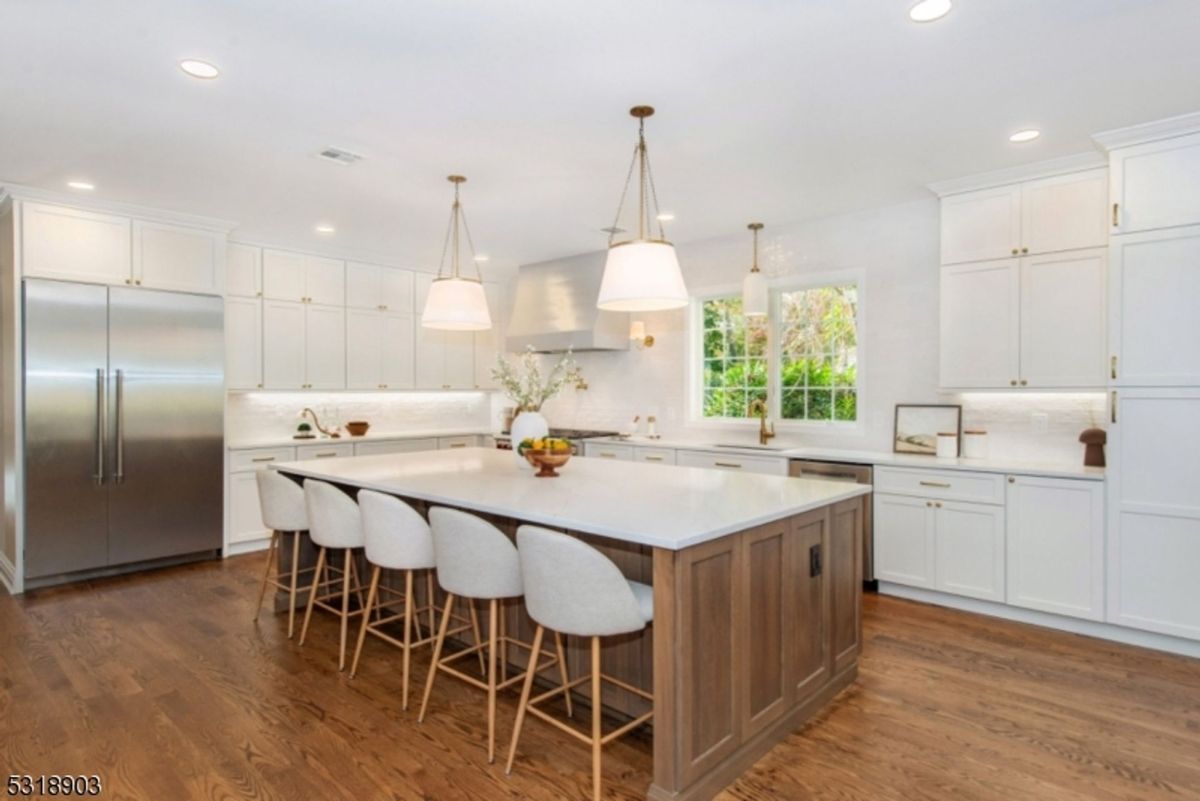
845, 405
756, 373
714, 370
792, 404
714, 344
795, 373
714, 403
820, 404
735, 403
820, 372
818, 345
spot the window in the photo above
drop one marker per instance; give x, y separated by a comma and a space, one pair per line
802, 358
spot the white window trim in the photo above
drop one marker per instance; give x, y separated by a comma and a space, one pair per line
695, 372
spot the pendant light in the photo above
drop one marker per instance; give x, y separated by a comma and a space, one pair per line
641, 274
456, 302
754, 286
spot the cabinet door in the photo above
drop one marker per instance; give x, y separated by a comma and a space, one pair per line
245, 513
1055, 545
430, 347
364, 344
980, 325
178, 259
396, 290
1154, 326
325, 281
969, 543
810, 603
243, 271
1156, 185
1154, 511
845, 568
283, 275
325, 347
602, 450
243, 343
362, 286
283, 345
490, 344
1063, 311
1066, 212
397, 351
58, 242
904, 551
983, 225
459, 369
394, 446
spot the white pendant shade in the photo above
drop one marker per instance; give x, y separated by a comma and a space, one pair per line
754, 294
456, 304
642, 275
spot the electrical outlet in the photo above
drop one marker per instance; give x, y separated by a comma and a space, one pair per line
1040, 422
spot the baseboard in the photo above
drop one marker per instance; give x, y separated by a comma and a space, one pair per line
8, 574
1089, 628
250, 546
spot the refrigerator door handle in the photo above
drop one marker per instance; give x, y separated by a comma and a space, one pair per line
101, 406
119, 434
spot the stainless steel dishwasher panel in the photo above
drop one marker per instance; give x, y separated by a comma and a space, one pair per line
854, 473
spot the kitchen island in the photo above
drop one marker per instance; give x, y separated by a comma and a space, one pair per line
757, 597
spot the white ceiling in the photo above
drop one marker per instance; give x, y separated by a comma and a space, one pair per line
770, 110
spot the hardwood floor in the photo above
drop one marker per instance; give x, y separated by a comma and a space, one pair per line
161, 684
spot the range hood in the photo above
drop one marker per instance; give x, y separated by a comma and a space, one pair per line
555, 308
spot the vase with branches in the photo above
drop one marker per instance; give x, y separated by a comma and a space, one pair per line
528, 388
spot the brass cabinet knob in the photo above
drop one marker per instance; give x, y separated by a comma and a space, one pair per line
1012, 479
1014, 251
1013, 382
258, 294
1024, 382
1024, 251
129, 280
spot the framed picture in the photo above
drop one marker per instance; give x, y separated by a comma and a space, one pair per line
917, 427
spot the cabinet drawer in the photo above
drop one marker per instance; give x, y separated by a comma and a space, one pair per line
733, 462
327, 451
394, 446
951, 485
654, 455
469, 441
603, 450
241, 461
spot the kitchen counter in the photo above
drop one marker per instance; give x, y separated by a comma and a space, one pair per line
371, 436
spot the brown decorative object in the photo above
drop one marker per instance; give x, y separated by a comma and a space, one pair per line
357, 427
546, 461
1094, 439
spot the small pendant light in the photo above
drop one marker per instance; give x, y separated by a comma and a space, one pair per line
455, 302
641, 274
754, 286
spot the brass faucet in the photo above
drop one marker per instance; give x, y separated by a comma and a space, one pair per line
759, 406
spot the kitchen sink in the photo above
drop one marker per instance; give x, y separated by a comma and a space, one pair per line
752, 447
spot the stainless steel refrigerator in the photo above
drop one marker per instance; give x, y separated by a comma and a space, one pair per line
124, 411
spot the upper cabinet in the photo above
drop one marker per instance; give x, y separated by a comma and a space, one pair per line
243, 271
370, 286
1155, 185
980, 324
178, 259
76, 245
303, 278
1063, 212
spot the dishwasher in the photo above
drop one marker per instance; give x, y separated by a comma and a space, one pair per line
858, 474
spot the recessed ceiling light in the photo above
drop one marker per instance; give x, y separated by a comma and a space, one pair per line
199, 69
481, 257
324, 228
929, 10
1027, 135
666, 216
83, 185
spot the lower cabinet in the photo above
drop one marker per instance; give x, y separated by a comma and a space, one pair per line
466, 441
603, 450
394, 446
654, 455
244, 522
769, 465
904, 547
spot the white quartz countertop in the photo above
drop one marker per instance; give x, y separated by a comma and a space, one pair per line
662, 506
1028, 467
372, 435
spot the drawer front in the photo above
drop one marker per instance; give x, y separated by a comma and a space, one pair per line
241, 461
469, 441
330, 451
394, 446
733, 462
951, 485
603, 450
654, 455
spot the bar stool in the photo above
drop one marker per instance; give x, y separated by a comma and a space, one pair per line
334, 522
475, 560
571, 588
282, 503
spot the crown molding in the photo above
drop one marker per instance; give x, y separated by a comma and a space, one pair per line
32, 193
1168, 128
1022, 172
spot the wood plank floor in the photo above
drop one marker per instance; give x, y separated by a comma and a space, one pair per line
161, 684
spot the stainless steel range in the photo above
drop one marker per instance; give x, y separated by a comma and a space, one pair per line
575, 436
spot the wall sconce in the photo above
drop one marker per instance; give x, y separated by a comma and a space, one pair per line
638, 335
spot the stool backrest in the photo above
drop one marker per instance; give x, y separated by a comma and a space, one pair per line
333, 517
281, 501
474, 558
395, 535
572, 588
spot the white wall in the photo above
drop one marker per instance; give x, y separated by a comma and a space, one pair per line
896, 251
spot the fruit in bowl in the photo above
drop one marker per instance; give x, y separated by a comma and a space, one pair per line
545, 453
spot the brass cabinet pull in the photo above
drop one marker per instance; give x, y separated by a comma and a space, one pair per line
458, 444
727, 464
653, 458
607, 455
263, 459
1116, 214
1113, 363
937, 484
1114, 406
325, 455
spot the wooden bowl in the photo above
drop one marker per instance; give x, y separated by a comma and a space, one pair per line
547, 461
357, 428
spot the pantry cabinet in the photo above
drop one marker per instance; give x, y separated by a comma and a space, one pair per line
75, 245
379, 350
1155, 185
371, 286
304, 346
243, 271
303, 278
178, 259
243, 343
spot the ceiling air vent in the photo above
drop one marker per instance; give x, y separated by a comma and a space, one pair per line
339, 156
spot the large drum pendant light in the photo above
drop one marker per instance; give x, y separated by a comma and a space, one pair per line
456, 302
754, 286
642, 274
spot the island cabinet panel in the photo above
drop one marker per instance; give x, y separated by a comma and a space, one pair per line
844, 566
810, 607
764, 627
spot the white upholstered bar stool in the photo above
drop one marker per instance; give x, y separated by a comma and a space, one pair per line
572, 588
476, 560
281, 501
333, 522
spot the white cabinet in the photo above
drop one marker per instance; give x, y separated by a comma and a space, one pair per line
244, 522
325, 347
1064, 212
243, 343
465, 441
371, 286
1156, 185
1055, 545
904, 545
394, 446
605, 450
1154, 324
490, 344
969, 549
304, 346
75, 245
1154, 510
654, 455
982, 225
326, 450
243, 270
1063, 301
980, 317
178, 259
733, 461
303, 278
379, 350
444, 359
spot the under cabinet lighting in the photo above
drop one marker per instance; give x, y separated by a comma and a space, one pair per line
81, 185
479, 257
666, 216
199, 69
1027, 135
929, 10
325, 229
